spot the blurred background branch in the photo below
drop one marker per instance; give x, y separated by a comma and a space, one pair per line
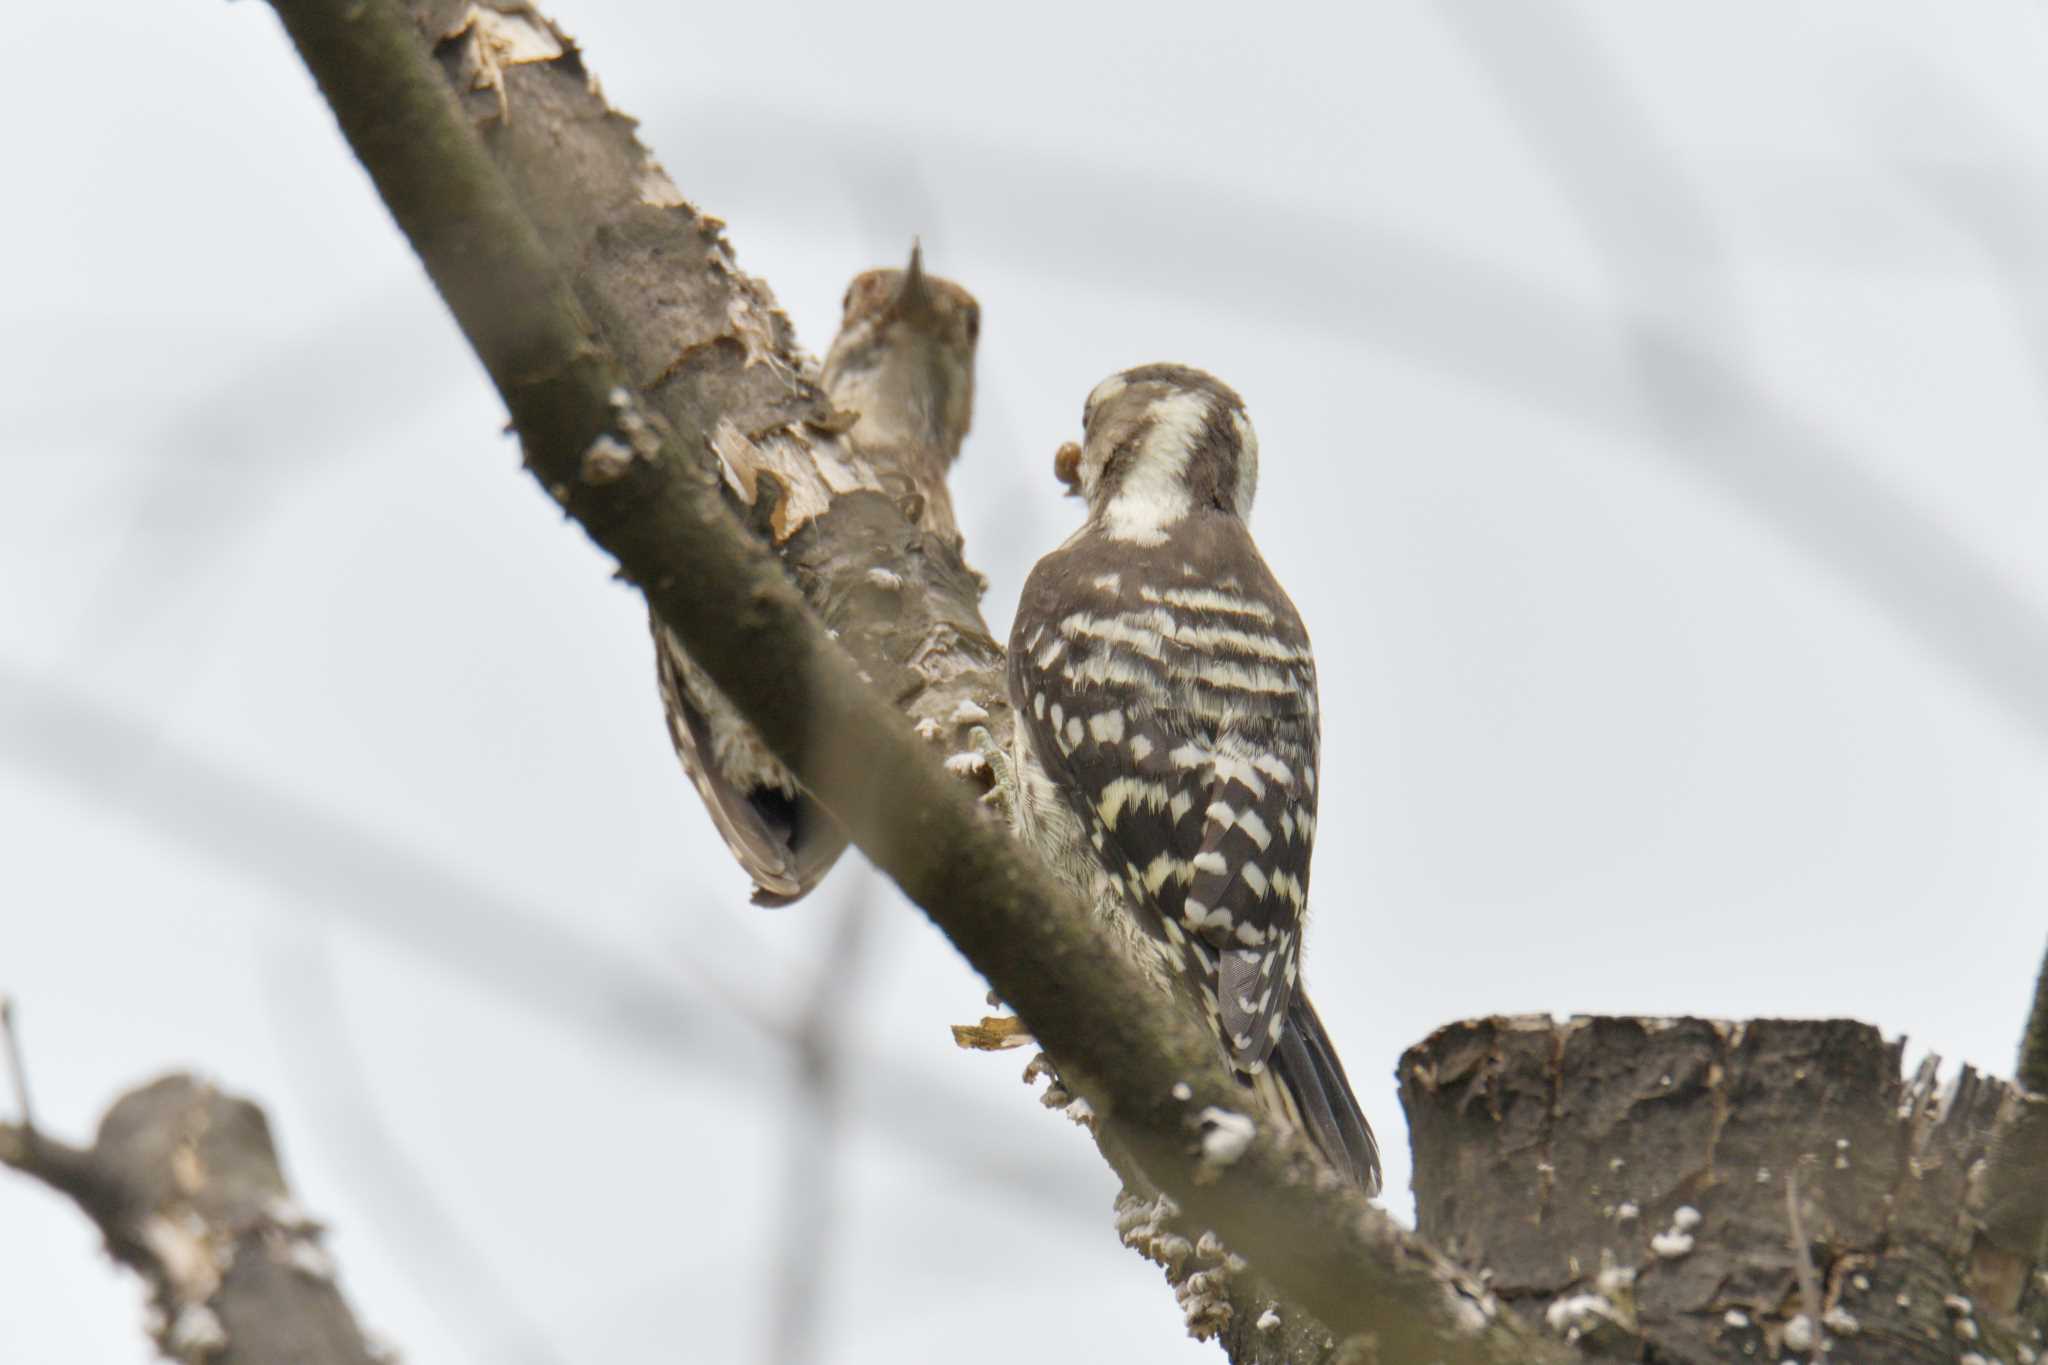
185, 1186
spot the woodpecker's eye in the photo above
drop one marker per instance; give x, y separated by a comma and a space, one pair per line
973, 323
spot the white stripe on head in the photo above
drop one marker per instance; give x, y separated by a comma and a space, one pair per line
1153, 493
1102, 393
1247, 465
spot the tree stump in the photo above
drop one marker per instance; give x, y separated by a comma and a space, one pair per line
1699, 1190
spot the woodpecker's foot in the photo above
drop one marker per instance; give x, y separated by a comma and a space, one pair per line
995, 1033
1002, 789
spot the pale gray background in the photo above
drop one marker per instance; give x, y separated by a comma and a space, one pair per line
1652, 399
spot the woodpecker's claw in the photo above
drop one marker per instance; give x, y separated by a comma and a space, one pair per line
1002, 790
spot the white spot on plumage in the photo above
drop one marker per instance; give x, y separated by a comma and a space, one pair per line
1109, 582
1141, 748
1163, 867
1050, 655
1074, 731
1135, 792
1272, 767
1059, 717
1251, 934
1279, 1021
1254, 678
1189, 756
1255, 878
1135, 635
1109, 669
1179, 806
1287, 823
1220, 813
1210, 861
1108, 728
1208, 599
1147, 632
1231, 768
1038, 705
1251, 824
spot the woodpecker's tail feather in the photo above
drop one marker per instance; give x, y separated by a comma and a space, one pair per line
1312, 1084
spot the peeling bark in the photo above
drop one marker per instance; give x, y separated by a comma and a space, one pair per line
185, 1185
708, 348
1626, 1181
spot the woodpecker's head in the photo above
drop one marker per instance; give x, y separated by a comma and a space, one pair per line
1158, 443
906, 345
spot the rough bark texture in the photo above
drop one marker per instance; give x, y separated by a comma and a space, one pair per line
185, 1185
1636, 1184
708, 348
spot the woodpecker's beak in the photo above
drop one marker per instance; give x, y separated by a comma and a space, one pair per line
914, 294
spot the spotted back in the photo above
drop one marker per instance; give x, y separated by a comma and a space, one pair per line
1170, 693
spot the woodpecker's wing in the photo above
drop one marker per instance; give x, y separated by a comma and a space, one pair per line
779, 836
1170, 693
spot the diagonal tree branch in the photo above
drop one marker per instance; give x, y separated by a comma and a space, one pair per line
643, 486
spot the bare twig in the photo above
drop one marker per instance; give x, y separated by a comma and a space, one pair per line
2033, 1064
809, 1190
17, 1070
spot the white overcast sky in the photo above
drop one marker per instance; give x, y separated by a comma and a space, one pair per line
1653, 410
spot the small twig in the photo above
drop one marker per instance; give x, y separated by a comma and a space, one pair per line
2033, 1069
17, 1070
810, 1177
1809, 1276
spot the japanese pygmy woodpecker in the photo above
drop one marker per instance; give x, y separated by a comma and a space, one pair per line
1167, 735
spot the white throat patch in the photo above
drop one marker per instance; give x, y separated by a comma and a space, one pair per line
1154, 493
